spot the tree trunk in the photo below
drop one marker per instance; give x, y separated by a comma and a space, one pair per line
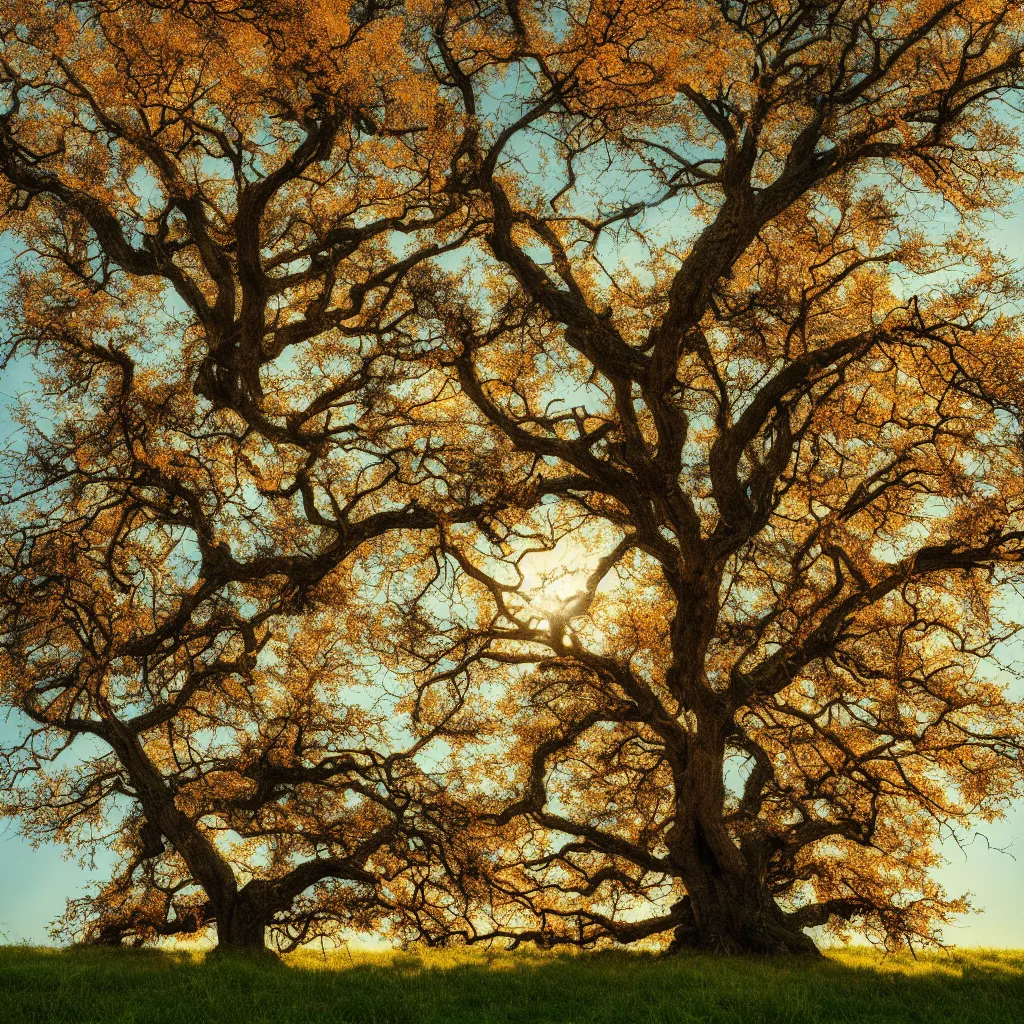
733, 916
728, 907
242, 925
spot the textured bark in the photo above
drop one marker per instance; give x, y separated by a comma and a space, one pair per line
728, 905
737, 916
242, 925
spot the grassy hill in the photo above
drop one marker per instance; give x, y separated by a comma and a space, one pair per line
39, 986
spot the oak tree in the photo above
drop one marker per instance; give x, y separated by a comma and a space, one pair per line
212, 208
736, 303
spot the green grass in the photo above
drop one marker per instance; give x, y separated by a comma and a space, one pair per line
39, 986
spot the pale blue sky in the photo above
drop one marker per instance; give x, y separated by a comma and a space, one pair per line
35, 883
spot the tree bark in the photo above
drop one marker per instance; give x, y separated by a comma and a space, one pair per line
737, 915
242, 923
728, 907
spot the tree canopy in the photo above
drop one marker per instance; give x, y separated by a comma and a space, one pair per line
517, 471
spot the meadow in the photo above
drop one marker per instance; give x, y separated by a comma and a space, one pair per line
48, 986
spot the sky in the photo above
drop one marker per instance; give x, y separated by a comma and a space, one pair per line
989, 864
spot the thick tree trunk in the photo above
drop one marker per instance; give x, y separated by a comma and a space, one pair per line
242, 925
733, 917
728, 907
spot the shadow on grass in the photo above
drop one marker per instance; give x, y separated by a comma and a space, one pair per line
525, 987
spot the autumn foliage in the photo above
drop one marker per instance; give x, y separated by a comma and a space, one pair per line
530, 471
